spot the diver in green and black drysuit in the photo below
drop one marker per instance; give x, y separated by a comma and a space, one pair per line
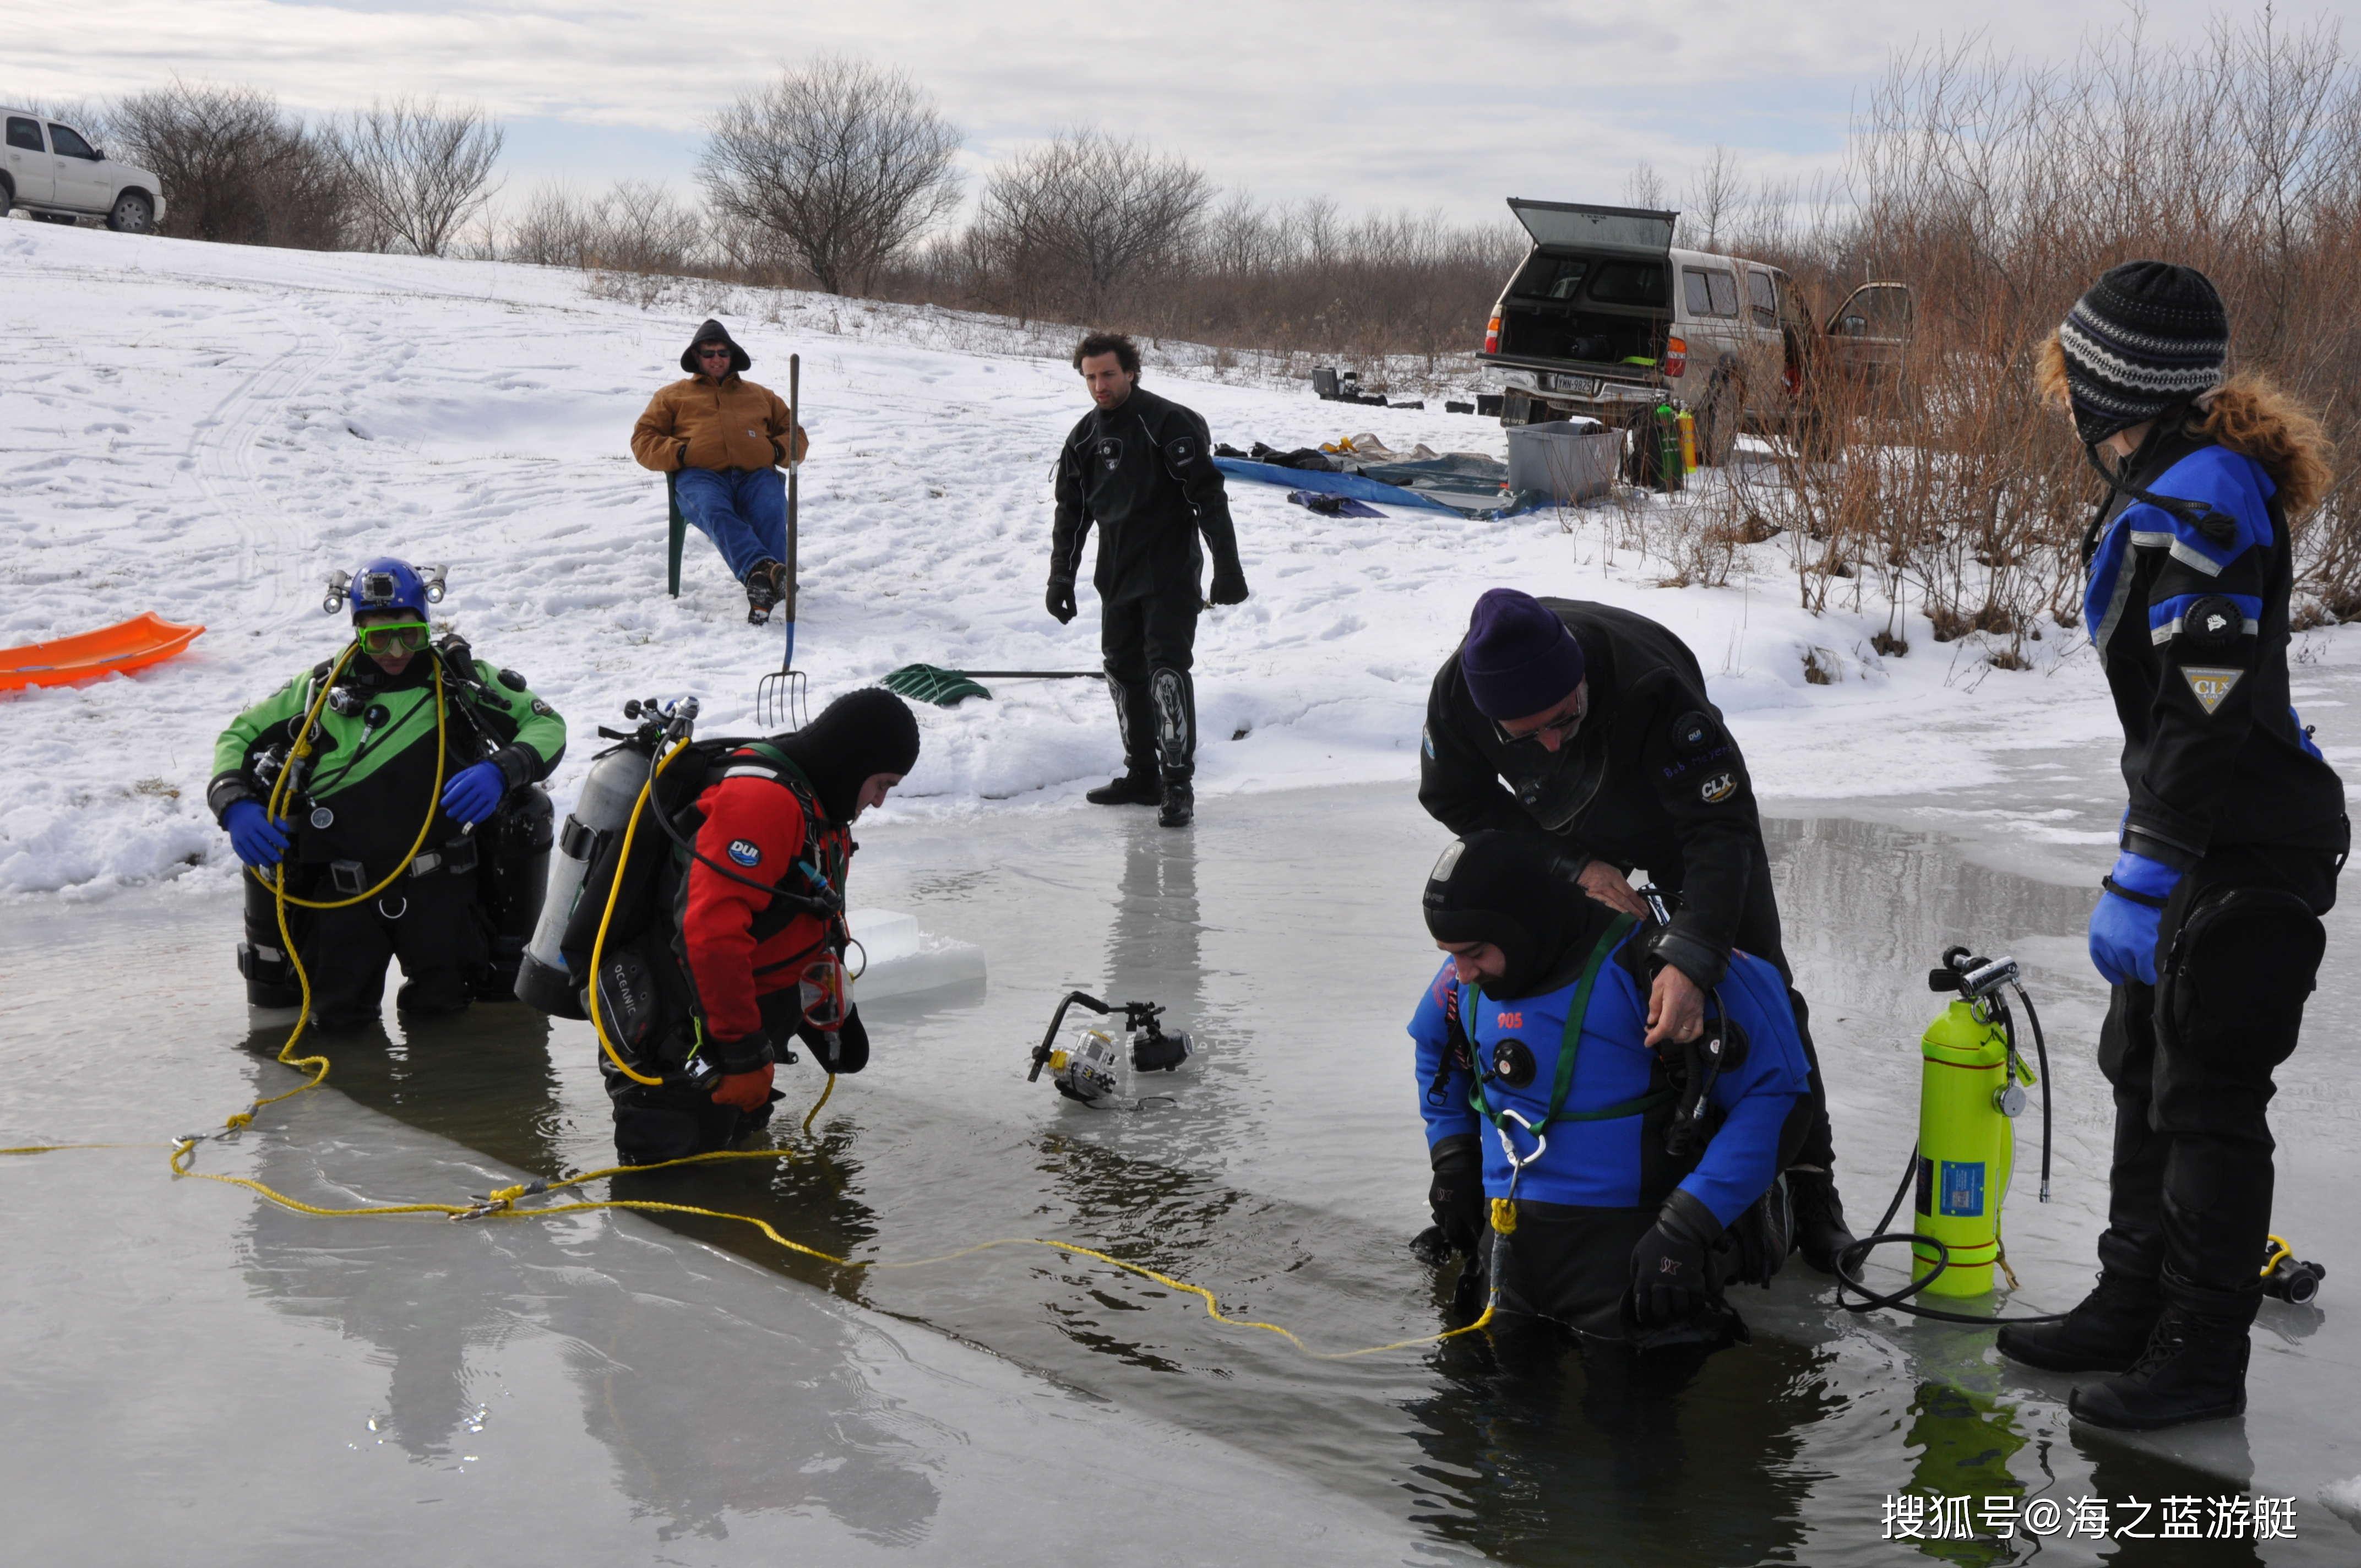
355, 805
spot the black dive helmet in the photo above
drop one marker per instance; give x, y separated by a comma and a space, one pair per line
1495, 887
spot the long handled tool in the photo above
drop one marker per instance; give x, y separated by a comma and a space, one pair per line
779, 698
948, 688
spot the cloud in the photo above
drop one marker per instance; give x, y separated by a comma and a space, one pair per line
1378, 102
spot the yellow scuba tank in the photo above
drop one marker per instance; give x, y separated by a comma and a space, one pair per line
1971, 1088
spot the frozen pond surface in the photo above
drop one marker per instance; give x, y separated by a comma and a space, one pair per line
194, 1373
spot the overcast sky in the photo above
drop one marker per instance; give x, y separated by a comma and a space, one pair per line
1377, 103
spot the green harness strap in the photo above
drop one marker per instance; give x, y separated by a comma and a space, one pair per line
1570, 1047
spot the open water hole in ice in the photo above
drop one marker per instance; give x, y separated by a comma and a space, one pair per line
601, 1387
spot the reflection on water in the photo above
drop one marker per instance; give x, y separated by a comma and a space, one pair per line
1519, 1448
485, 1079
1540, 1449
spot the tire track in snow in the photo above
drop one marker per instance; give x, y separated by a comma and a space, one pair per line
273, 534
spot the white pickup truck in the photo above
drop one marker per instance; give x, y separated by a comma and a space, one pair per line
53, 172
1605, 319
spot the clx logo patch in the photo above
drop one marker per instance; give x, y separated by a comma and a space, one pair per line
745, 853
1718, 788
2210, 686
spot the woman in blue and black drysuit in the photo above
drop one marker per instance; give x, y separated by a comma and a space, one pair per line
2233, 834
1648, 1179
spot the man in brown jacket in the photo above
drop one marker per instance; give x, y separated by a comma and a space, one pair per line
726, 438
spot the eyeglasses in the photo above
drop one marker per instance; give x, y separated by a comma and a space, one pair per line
825, 994
393, 637
1558, 729
721, 353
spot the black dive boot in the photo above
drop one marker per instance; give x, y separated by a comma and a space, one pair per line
2194, 1369
765, 587
1821, 1234
2106, 1333
1137, 786
1135, 717
1178, 807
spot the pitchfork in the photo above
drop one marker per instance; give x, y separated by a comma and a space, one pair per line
779, 697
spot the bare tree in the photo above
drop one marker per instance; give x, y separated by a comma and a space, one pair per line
1085, 211
418, 172
636, 226
1713, 196
236, 168
1643, 187
842, 165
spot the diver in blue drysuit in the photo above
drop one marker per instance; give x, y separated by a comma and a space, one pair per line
1647, 1184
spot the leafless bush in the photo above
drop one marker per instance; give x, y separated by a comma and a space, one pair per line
839, 166
1066, 223
418, 172
1998, 192
635, 225
233, 167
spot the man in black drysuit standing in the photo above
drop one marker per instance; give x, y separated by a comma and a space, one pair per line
1586, 730
1142, 468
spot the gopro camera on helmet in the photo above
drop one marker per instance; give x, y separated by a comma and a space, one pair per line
1091, 1067
386, 584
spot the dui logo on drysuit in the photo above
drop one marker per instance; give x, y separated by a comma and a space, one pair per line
745, 853
2210, 686
1718, 788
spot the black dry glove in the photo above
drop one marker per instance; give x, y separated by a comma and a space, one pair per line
1456, 1193
744, 1055
1229, 584
680, 462
1060, 598
844, 1049
1672, 1271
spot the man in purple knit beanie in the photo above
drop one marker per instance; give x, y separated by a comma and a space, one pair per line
1586, 730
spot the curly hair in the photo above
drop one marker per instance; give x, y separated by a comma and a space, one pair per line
2251, 415
1126, 352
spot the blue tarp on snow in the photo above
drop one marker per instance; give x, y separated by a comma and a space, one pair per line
1465, 498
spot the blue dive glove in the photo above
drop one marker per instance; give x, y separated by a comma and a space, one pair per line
258, 840
475, 793
2123, 927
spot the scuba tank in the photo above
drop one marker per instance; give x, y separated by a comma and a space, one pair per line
1972, 1087
543, 981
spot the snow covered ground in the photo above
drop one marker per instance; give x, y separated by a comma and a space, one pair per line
206, 431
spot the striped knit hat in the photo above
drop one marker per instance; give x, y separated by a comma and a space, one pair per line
2146, 337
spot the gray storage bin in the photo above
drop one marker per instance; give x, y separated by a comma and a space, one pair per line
1565, 459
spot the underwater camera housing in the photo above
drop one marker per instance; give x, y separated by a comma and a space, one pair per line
2288, 1276
1090, 1070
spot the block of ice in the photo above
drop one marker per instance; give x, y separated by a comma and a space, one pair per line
903, 960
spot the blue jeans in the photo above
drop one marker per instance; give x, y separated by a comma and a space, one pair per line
743, 512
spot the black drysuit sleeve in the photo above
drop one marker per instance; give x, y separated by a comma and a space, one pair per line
1188, 458
2204, 616
1073, 524
1701, 783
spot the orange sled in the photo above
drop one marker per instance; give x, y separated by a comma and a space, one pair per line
144, 640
